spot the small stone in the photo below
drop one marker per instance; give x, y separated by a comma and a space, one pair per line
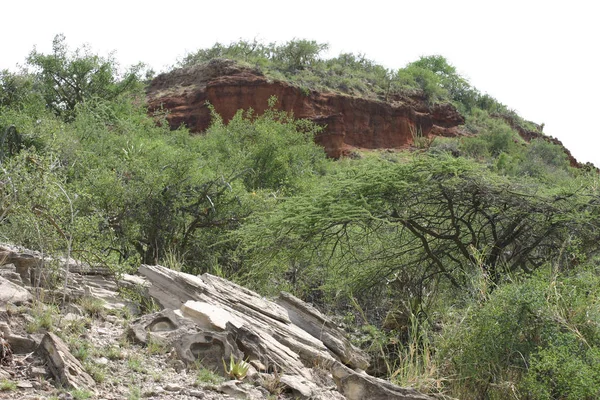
103, 331
24, 385
101, 361
37, 372
197, 394
72, 317
172, 387
177, 365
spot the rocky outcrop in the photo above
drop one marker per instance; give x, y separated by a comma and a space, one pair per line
65, 368
215, 319
291, 350
529, 134
350, 122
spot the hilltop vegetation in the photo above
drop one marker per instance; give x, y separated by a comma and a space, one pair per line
468, 266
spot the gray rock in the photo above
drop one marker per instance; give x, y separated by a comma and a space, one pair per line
21, 344
239, 390
312, 321
359, 386
12, 293
172, 387
65, 368
38, 372
24, 385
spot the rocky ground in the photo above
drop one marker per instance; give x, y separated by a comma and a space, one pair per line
166, 335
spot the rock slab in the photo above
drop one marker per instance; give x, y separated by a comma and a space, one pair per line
65, 368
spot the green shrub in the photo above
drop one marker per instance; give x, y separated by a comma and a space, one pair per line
566, 369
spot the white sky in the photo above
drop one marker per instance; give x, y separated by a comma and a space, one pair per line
539, 58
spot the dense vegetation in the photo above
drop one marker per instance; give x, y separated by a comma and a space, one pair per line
466, 267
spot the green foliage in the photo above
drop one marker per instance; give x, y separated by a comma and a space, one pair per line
543, 158
7, 385
17, 93
538, 336
206, 376
66, 79
236, 369
565, 370
376, 221
270, 152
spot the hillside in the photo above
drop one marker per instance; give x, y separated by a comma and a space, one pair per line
454, 243
350, 120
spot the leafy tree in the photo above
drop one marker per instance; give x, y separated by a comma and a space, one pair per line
430, 219
299, 53
66, 79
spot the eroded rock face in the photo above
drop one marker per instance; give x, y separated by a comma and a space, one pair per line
349, 121
216, 319
65, 368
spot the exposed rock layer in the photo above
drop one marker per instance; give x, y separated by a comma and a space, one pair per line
349, 121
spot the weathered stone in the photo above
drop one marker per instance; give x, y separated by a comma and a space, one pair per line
5, 328
209, 316
65, 368
21, 344
290, 337
38, 372
210, 348
172, 387
30, 264
24, 385
312, 321
11, 275
359, 386
239, 390
166, 325
12, 293
300, 386
262, 329
349, 121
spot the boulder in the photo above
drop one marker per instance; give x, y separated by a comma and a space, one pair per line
65, 368
312, 321
12, 293
359, 386
216, 319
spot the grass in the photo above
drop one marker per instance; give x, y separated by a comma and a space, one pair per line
93, 306
7, 385
42, 318
155, 346
81, 394
113, 353
135, 393
206, 376
135, 363
97, 372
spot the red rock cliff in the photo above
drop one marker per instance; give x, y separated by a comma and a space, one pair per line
350, 121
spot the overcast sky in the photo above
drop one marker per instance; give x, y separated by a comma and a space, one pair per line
537, 57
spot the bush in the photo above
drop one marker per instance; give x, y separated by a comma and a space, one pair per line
539, 336
567, 369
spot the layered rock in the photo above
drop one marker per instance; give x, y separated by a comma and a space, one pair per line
350, 122
214, 319
290, 347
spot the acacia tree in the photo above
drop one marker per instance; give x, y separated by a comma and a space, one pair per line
428, 221
66, 78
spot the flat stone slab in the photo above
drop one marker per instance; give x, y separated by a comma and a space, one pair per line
12, 293
65, 368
